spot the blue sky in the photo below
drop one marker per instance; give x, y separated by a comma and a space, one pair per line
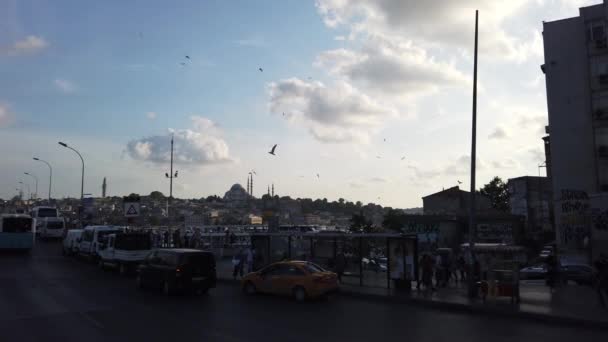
361, 84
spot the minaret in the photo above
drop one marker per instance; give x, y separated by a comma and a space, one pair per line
269, 190
104, 188
272, 189
248, 191
251, 186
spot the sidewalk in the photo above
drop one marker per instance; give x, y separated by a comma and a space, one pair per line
569, 304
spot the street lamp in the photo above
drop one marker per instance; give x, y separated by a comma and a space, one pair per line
82, 160
50, 174
28, 187
36, 179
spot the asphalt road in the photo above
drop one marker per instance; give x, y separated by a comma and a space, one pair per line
47, 297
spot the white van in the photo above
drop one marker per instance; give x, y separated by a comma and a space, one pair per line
71, 242
47, 222
124, 251
92, 236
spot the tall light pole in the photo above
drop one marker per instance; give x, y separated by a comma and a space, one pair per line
50, 175
28, 187
472, 222
82, 160
36, 179
170, 175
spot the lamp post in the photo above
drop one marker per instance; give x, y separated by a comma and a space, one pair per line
170, 175
36, 179
50, 175
472, 223
82, 160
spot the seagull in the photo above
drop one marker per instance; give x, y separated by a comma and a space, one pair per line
187, 57
272, 150
459, 182
261, 70
318, 176
253, 171
166, 175
175, 176
384, 139
403, 158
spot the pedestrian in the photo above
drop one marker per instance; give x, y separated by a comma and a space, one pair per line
238, 262
166, 238
461, 264
601, 281
250, 258
340, 265
176, 238
426, 265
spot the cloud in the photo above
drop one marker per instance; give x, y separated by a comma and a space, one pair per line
462, 165
332, 114
28, 46
391, 67
202, 144
535, 122
6, 115
423, 174
151, 115
507, 163
437, 23
356, 185
537, 154
65, 86
499, 133
378, 180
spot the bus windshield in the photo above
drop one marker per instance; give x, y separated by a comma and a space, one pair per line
17, 225
47, 212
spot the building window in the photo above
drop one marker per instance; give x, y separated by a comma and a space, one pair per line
596, 33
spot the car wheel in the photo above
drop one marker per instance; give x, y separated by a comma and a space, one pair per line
249, 289
299, 294
167, 290
140, 282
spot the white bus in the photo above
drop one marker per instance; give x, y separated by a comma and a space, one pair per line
16, 232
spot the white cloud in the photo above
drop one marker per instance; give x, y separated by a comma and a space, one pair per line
339, 38
65, 86
499, 133
378, 180
151, 115
6, 115
391, 67
337, 113
30, 45
436, 23
507, 163
202, 144
462, 165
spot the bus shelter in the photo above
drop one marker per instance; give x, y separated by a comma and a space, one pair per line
371, 260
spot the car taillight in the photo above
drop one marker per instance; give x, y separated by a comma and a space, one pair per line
178, 271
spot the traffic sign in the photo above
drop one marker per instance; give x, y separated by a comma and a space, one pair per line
131, 209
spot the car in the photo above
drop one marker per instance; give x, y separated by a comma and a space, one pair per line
536, 272
71, 242
177, 270
300, 279
581, 274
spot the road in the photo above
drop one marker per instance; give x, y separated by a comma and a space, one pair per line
47, 297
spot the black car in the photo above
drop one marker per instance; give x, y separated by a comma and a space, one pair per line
579, 273
177, 269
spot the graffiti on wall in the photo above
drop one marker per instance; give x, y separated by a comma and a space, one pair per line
495, 232
574, 226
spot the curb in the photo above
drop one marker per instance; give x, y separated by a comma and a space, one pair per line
472, 309
478, 309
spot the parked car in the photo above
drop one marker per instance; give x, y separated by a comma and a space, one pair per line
93, 237
300, 279
581, 274
536, 272
124, 251
71, 242
177, 270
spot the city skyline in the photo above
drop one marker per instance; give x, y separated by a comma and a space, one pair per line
344, 108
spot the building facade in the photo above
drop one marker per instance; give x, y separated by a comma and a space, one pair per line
453, 201
532, 198
576, 74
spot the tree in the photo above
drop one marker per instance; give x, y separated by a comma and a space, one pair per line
498, 193
157, 195
393, 220
358, 223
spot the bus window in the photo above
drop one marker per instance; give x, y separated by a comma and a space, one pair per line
17, 225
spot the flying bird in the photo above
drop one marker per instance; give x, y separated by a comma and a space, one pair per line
403, 158
166, 175
261, 70
253, 171
187, 57
384, 139
318, 176
459, 182
175, 176
272, 150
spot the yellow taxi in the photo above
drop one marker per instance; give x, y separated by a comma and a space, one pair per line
300, 279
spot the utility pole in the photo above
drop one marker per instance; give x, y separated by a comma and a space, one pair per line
472, 221
170, 175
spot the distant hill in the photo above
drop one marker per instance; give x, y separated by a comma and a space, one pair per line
413, 211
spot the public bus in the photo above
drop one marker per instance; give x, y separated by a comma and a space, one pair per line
16, 232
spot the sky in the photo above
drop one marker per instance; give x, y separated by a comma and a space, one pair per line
367, 100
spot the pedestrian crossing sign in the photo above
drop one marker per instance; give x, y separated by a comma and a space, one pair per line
131, 209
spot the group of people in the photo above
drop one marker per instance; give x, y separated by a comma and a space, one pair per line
168, 238
444, 269
244, 257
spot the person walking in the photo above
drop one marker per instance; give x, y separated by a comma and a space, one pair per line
461, 265
238, 261
340, 265
601, 281
426, 265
